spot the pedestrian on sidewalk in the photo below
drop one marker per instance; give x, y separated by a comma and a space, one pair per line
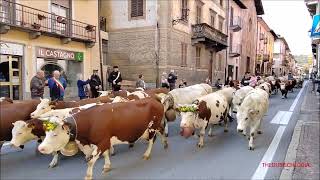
140, 82
253, 81
82, 87
164, 81
246, 79
95, 84
229, 82
37, 84
172, 78
115, 78
57, 86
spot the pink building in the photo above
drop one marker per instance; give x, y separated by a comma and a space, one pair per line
280, 57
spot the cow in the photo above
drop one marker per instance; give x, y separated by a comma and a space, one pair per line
228, 93
98, 128
238, 97
275, 85
45, 105
265, 86
184, 96
207, 110
11, 113
285, 87
5, 100
251, 112
113, 94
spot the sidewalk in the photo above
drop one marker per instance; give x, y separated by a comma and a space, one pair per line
304, 145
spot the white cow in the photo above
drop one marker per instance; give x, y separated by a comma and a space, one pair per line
206, 110
43, 107
251, 112
265, 86
239, 96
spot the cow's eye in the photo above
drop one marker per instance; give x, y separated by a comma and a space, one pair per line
246, 119
43, 108
55, 135
19, 133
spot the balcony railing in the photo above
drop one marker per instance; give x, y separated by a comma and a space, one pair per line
235, 50
31, 19
203, 33
236, 24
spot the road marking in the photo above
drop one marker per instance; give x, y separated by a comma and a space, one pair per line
297, 99
286, 118
282, 117
261, 171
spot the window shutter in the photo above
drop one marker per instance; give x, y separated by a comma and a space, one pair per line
140, 7
137, 8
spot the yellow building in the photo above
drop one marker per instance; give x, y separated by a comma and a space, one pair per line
48, 35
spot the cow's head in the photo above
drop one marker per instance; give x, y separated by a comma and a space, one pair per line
57, 137
244, 116
167, 101
43, 107
21, 133
236, 102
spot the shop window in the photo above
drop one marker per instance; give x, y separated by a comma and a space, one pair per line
105, 52
16, 92
5, 91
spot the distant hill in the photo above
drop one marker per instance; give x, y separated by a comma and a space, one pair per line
302, 59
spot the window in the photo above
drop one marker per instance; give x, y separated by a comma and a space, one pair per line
137, 8
198, 14
103, 24
212, 17
250, 25
105, 52
220, 62
231, 42
61, 14
184, 10
184, 54
221, 3
198, 54
248, 65
231, 16
221, 22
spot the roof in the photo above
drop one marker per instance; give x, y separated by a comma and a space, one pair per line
240, 4
285, 42
274, 34
259, 7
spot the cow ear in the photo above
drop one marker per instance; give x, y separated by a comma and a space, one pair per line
196, 102
66, 126
31, 125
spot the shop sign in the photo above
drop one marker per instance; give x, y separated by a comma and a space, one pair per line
11, 49
59, 54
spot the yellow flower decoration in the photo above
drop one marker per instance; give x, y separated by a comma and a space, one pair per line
188, 109
49, 126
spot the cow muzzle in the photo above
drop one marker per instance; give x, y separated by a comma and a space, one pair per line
240, 130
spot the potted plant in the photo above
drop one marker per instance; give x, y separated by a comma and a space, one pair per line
36, 26
41, 17
89, 28
61, 20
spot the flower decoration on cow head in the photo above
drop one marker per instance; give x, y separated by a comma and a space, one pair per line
49, 126
188, 108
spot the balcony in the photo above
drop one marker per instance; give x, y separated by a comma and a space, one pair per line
209, 36
236, 24
235, 50
266, 57
38, 22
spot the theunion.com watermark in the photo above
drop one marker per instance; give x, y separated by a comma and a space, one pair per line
287, 164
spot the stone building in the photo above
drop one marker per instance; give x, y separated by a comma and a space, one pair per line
48, 35
265, 43
281, 56
155, 36
243, 15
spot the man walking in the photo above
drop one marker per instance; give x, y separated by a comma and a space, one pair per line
115, 79
57, 86
81, 87
95, 84
172, 78
37, 84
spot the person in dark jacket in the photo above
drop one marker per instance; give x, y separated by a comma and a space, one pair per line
95, 84
229, 82
115, 79
37, 84
57, 86
246, 79
172, 78
81, 88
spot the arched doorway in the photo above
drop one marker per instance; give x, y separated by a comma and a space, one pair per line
48, 68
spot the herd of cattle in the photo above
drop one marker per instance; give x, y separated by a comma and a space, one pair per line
95, 125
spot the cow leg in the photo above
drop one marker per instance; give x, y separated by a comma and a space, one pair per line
201, 138
152, 137
164, 140
54, 161
259, 131
95, 155
225, 120
166, 128
112, 153
107, 163
251, 146
210, 134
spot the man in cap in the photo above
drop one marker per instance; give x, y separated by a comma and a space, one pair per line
115, 79
95, 84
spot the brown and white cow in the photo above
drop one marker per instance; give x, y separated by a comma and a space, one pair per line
206, 110
98, 128
5, 100
11, 113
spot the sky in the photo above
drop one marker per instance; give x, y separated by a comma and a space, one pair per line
290, 19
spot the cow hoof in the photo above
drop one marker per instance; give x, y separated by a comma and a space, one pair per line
244, 135
105, 170
89, 158
210, 135
226, 130
112, 153
165, 146
282, 98
166, 134
251, 148
259, 132
88, 178
131, 145
52, 165
200, 145
145, 157
220, 124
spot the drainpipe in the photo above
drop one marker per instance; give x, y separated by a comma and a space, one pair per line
157, 47
226, 68
100, 44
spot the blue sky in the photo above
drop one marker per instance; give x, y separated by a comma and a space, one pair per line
290, 19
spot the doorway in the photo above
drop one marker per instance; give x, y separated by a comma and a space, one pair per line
10, 77
230, 71
237, 69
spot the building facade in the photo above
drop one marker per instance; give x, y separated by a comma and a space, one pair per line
242, 38
265, 43
50, 35
154, 36
280, 57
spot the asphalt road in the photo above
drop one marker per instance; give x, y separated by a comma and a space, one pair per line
225, 156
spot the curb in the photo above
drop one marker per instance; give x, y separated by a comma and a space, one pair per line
292, 151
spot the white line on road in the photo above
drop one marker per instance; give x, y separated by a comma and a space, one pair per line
286, 118
262, 169
296, 100
277, 118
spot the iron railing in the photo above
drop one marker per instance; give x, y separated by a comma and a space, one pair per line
28, 18
236, 23
203, 30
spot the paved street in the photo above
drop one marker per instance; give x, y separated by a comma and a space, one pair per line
225, 156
